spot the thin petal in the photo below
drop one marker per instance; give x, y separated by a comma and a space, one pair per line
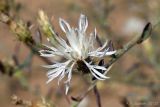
73, 39
110, 53
55, 51
96, 76
92, 39
95, 33
97, 52
99, 74
61, 76
52, 72
106, 52
50, 47
60, 67
61, 41
64, 25
95, 72
46, 53
83, 23
69, 71
104, 45
53, 76
67, 87
53, 65
99, 67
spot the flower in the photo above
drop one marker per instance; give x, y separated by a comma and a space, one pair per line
79, 49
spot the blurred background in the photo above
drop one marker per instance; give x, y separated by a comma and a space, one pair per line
134, 78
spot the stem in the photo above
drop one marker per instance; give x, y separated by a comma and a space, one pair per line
98, 98
137, 40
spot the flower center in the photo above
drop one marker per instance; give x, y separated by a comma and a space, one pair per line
82, 66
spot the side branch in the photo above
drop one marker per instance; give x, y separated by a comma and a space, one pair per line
23, 34
137, 40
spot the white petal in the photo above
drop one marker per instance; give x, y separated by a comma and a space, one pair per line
61, 41
73, 40
67, 87
110, 53
104, 45
64, 25
91, 40
95, 72
60, 51
83, 23
61, 76
53, 66
53, 76
99, 67
97, 52
46, 53
59, 69
55, 51
95, 33
106, 52
96, 76
83, 44
50, 47
67, 82
99, 74
69, 71
52, 72
53, 40
107, 70
101, 54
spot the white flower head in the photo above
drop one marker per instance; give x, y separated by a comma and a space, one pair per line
78, 48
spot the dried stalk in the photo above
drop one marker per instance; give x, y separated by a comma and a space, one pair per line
21, 30
98, 98
25, 103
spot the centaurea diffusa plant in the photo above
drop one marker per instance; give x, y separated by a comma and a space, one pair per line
22, 32
79, 50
